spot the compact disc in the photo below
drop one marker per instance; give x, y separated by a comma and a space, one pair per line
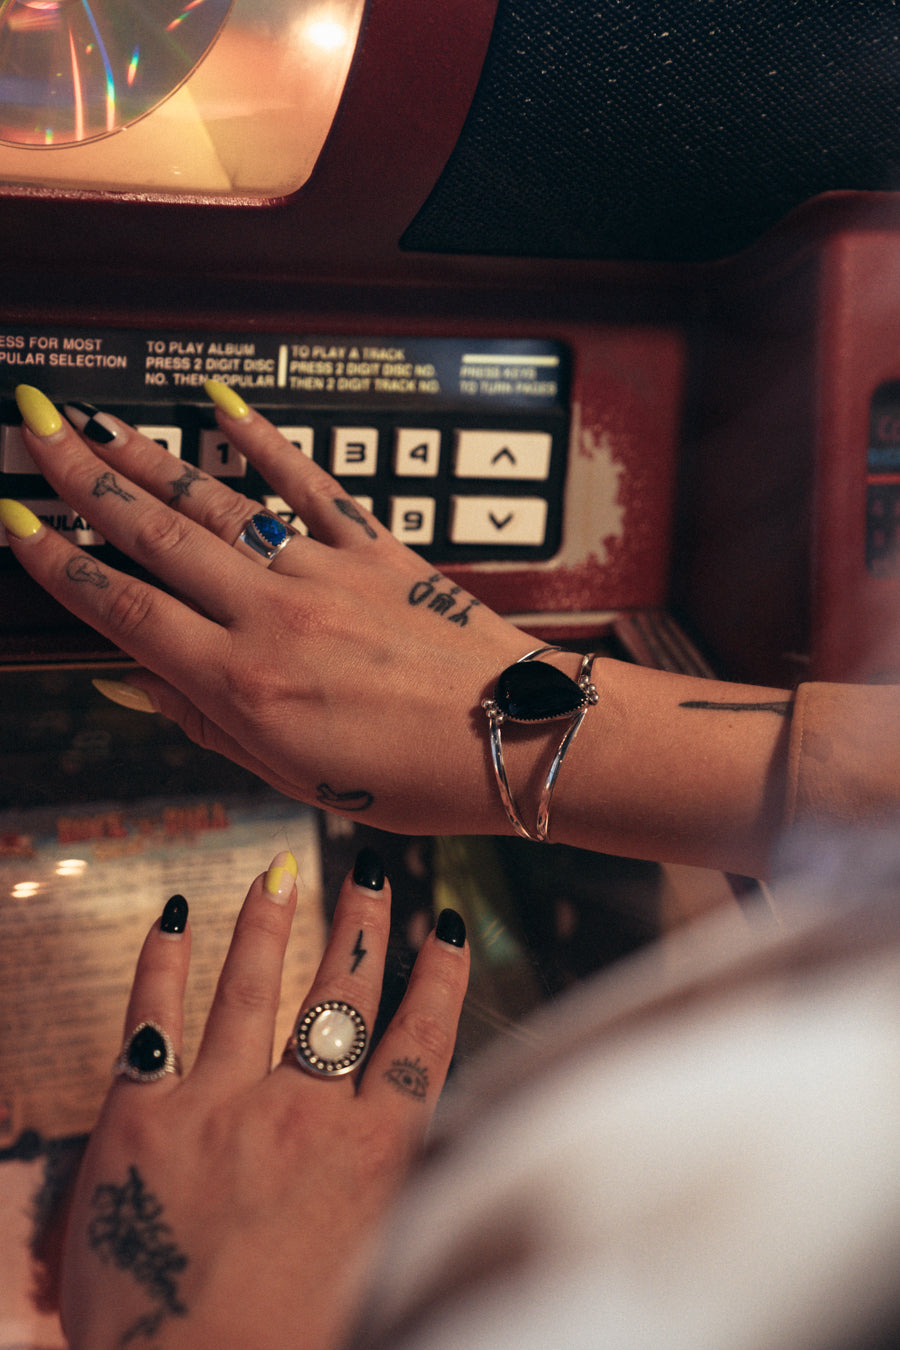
73, 71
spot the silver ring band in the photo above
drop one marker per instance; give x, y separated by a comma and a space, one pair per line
264, 536
147, 1055
329, 1040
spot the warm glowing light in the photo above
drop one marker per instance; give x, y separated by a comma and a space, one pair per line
325, 33
133, 65
70, 867
23, 890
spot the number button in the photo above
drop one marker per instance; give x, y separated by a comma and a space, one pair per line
218, 457
168, 437
301, 437
14, 458
354, 451
417, 452
412, 519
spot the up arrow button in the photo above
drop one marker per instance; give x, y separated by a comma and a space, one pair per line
502, 454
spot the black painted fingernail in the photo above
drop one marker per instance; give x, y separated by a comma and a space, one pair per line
368, 870
451, 928
174, 915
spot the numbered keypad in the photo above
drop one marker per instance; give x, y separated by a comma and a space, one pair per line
456, 487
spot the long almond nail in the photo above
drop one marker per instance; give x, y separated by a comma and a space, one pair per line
126, 695
227, 399
280, 878
38, 413
17, 520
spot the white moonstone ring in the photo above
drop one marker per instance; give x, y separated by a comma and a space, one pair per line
330, 1039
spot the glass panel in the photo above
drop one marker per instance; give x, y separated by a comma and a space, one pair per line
209, 97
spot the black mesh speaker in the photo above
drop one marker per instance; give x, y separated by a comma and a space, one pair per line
670, 130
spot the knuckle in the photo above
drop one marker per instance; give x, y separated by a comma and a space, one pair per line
159, 533
130, 607
228, 519
245, 994
428, 1030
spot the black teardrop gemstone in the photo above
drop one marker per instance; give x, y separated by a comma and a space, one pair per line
147, 1050
532, 691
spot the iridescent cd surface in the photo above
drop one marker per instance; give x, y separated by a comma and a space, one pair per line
78, 70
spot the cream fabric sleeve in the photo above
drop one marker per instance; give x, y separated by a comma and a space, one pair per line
844, 755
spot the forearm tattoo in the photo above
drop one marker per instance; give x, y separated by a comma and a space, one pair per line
781, 707
181, 487
409, 1077
352, 512
357, 799
359, 951
128, 1230
442, 602
107, 484
84, 569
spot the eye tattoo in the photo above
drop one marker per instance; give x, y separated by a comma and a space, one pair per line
106, 483
128, 1230
352, 512
181, 487
409, 1077
86, 570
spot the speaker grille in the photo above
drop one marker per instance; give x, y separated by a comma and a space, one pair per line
665, 129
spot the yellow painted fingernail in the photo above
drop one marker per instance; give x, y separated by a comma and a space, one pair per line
17, 520
38, 413
226, 398
280, 878
126, 695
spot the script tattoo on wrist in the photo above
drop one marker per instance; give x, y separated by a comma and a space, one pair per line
359, 951
781, 707
357, 799
106, 484
128, 1230
409, 1077
181, 487
442, 602
352, 512
85, 570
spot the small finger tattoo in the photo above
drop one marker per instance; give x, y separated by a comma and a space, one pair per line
352, 512
359, 952
127, 1229
107, 484
86, 570
409, 1077
181, 487
781, 707
357, 799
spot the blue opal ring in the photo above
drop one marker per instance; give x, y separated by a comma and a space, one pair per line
264, 536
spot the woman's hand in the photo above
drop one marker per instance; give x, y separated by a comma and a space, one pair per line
234, 1207
347, 673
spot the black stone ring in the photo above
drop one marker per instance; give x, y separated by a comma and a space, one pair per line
264, 536
147, 1055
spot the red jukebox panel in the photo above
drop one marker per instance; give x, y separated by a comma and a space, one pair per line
232, 205
472, 255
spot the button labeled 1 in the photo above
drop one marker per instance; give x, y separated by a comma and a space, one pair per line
218, 457
498, 520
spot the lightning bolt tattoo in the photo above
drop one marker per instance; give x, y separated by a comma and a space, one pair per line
359, 952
